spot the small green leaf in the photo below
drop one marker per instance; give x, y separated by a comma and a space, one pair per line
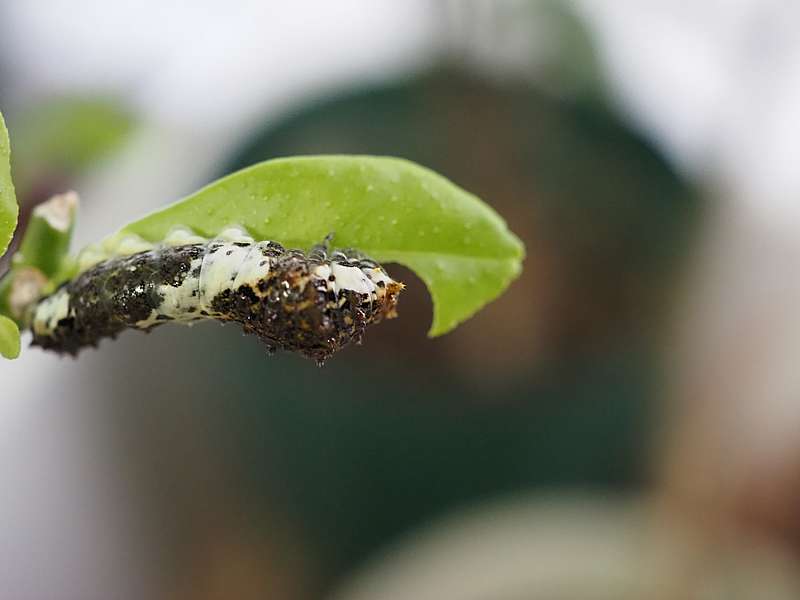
389, 208
9, 338
8, 201
45, 243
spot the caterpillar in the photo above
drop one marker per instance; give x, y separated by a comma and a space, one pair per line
312, 303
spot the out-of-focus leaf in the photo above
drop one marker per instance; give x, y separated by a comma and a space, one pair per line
70, 133
391, 209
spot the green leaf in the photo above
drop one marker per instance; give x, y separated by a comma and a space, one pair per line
45, 243
8, 201
9, 338
9, 333
391, 209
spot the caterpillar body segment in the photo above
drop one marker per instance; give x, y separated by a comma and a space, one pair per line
313, 303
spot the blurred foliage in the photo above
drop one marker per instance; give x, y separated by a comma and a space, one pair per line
71, 133
55, 141
570, 66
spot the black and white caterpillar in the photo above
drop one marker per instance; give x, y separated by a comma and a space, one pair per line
312, 303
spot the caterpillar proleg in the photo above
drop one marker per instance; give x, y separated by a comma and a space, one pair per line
313, 303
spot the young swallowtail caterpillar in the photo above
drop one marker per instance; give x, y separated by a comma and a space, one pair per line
312, 303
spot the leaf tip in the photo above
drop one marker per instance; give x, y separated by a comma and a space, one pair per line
445, 319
